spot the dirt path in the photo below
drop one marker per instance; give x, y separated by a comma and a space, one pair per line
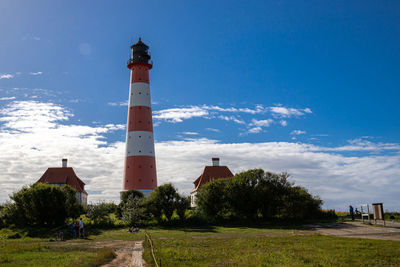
128, 256
358, 230
129, 253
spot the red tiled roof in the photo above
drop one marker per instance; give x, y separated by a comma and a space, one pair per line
63, 176
212, 173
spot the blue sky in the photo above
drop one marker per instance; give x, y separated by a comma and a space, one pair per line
310, 88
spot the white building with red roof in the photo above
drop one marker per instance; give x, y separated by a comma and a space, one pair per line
65, 176
209, 174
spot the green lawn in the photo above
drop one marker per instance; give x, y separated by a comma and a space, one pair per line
33, 253
268, 247
212, 246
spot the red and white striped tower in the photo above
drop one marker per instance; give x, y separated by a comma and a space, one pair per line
140, 163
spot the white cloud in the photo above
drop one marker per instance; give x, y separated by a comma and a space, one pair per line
231, 118
36, 73
256, 125
120, 104
338, 179
258, 109
264, 123
283, 123
76, 100
255, 129
31, 37
175, 115
298, 132
32, 92
190, 133
6, 76
7, 98
213, 130
364, 145
115, 127
36, 135
179, 114
33, 137
289, 112
307, 110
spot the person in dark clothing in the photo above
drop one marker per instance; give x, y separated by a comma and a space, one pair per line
351, 212
72, 230
76, 228
392, 218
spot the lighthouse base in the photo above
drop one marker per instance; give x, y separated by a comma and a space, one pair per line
145, 192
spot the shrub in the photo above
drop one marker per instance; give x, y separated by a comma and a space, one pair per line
100, 212
211, 200
256, 194
133, 211
41, 204
124, 199
164, 200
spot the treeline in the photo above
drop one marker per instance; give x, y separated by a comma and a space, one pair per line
257, 195
253, 196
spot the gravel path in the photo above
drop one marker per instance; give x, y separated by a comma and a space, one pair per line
359, 230
128, 256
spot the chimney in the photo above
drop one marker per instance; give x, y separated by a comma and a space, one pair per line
215, 161
64, 163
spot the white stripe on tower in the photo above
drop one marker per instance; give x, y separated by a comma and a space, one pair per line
140, 165
140, 95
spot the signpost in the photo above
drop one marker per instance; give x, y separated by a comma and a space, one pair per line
378, 212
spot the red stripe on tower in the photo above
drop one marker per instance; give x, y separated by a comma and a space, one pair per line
140, 163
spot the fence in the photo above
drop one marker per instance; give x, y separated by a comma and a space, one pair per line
152, 249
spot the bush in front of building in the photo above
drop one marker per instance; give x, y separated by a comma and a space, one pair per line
163, 205
128, 204
164, 201
41, 205
133, 210
100, 213
256, 195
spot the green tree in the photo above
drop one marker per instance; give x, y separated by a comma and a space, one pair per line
134, 210
211, 200
301, 204
124, 199
164, 200
272, 192
241, 193
42, 204
256, 194
134, 193
100, 212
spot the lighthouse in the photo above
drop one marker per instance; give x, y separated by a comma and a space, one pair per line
140, 163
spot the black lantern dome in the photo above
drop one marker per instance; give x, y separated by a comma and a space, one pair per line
140, 54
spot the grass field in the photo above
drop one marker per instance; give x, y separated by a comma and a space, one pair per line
212, 246
26, 253
268, 247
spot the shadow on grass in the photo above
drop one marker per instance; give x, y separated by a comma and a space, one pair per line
53, 234
187, 228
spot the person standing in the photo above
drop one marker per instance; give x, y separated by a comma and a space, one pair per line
76, 229
81, 232
392, 218
351, 212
